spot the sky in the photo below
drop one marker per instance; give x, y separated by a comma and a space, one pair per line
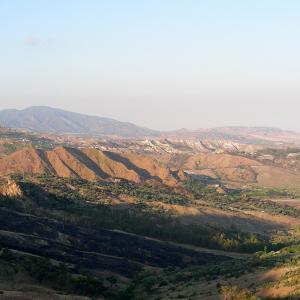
162, 64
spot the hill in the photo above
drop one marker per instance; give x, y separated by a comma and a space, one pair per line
87, 163
52, 120
239, 170
224, 169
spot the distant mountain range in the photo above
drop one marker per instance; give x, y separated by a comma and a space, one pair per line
52, 120
241, 134
57, 121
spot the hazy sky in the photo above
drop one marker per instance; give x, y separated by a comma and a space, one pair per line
163, 64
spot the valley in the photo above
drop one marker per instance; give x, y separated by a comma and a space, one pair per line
159, 218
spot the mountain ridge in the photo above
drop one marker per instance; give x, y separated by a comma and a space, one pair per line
54, 120
44, 119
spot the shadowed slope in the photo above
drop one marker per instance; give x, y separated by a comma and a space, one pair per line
74, 164
125, 161
24, 161
113, 167
153, 166
89, 164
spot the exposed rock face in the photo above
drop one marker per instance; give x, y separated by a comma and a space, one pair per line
88, 163
9, 188
177, 146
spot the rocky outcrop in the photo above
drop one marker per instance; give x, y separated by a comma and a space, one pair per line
9, 188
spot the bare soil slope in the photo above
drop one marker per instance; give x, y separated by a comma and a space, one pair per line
239, 169
89, 164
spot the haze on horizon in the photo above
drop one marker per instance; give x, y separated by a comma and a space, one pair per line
160, 64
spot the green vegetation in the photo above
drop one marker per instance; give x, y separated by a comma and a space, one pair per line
99, 205
144, 192
150, 282
237, 293
54, 197
200, 190
279, 152
9, 148
47, 273
264, 193
253, 199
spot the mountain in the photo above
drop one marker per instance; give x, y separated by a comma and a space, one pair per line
241, 134
56, 121
52, 120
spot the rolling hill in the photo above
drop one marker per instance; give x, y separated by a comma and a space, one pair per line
87, 163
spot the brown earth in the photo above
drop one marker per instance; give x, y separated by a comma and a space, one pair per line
218, 161
290, 202
93, 164
271, 176
87, 163
241, 170
153, 167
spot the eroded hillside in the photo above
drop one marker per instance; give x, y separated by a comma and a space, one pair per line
89, 164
